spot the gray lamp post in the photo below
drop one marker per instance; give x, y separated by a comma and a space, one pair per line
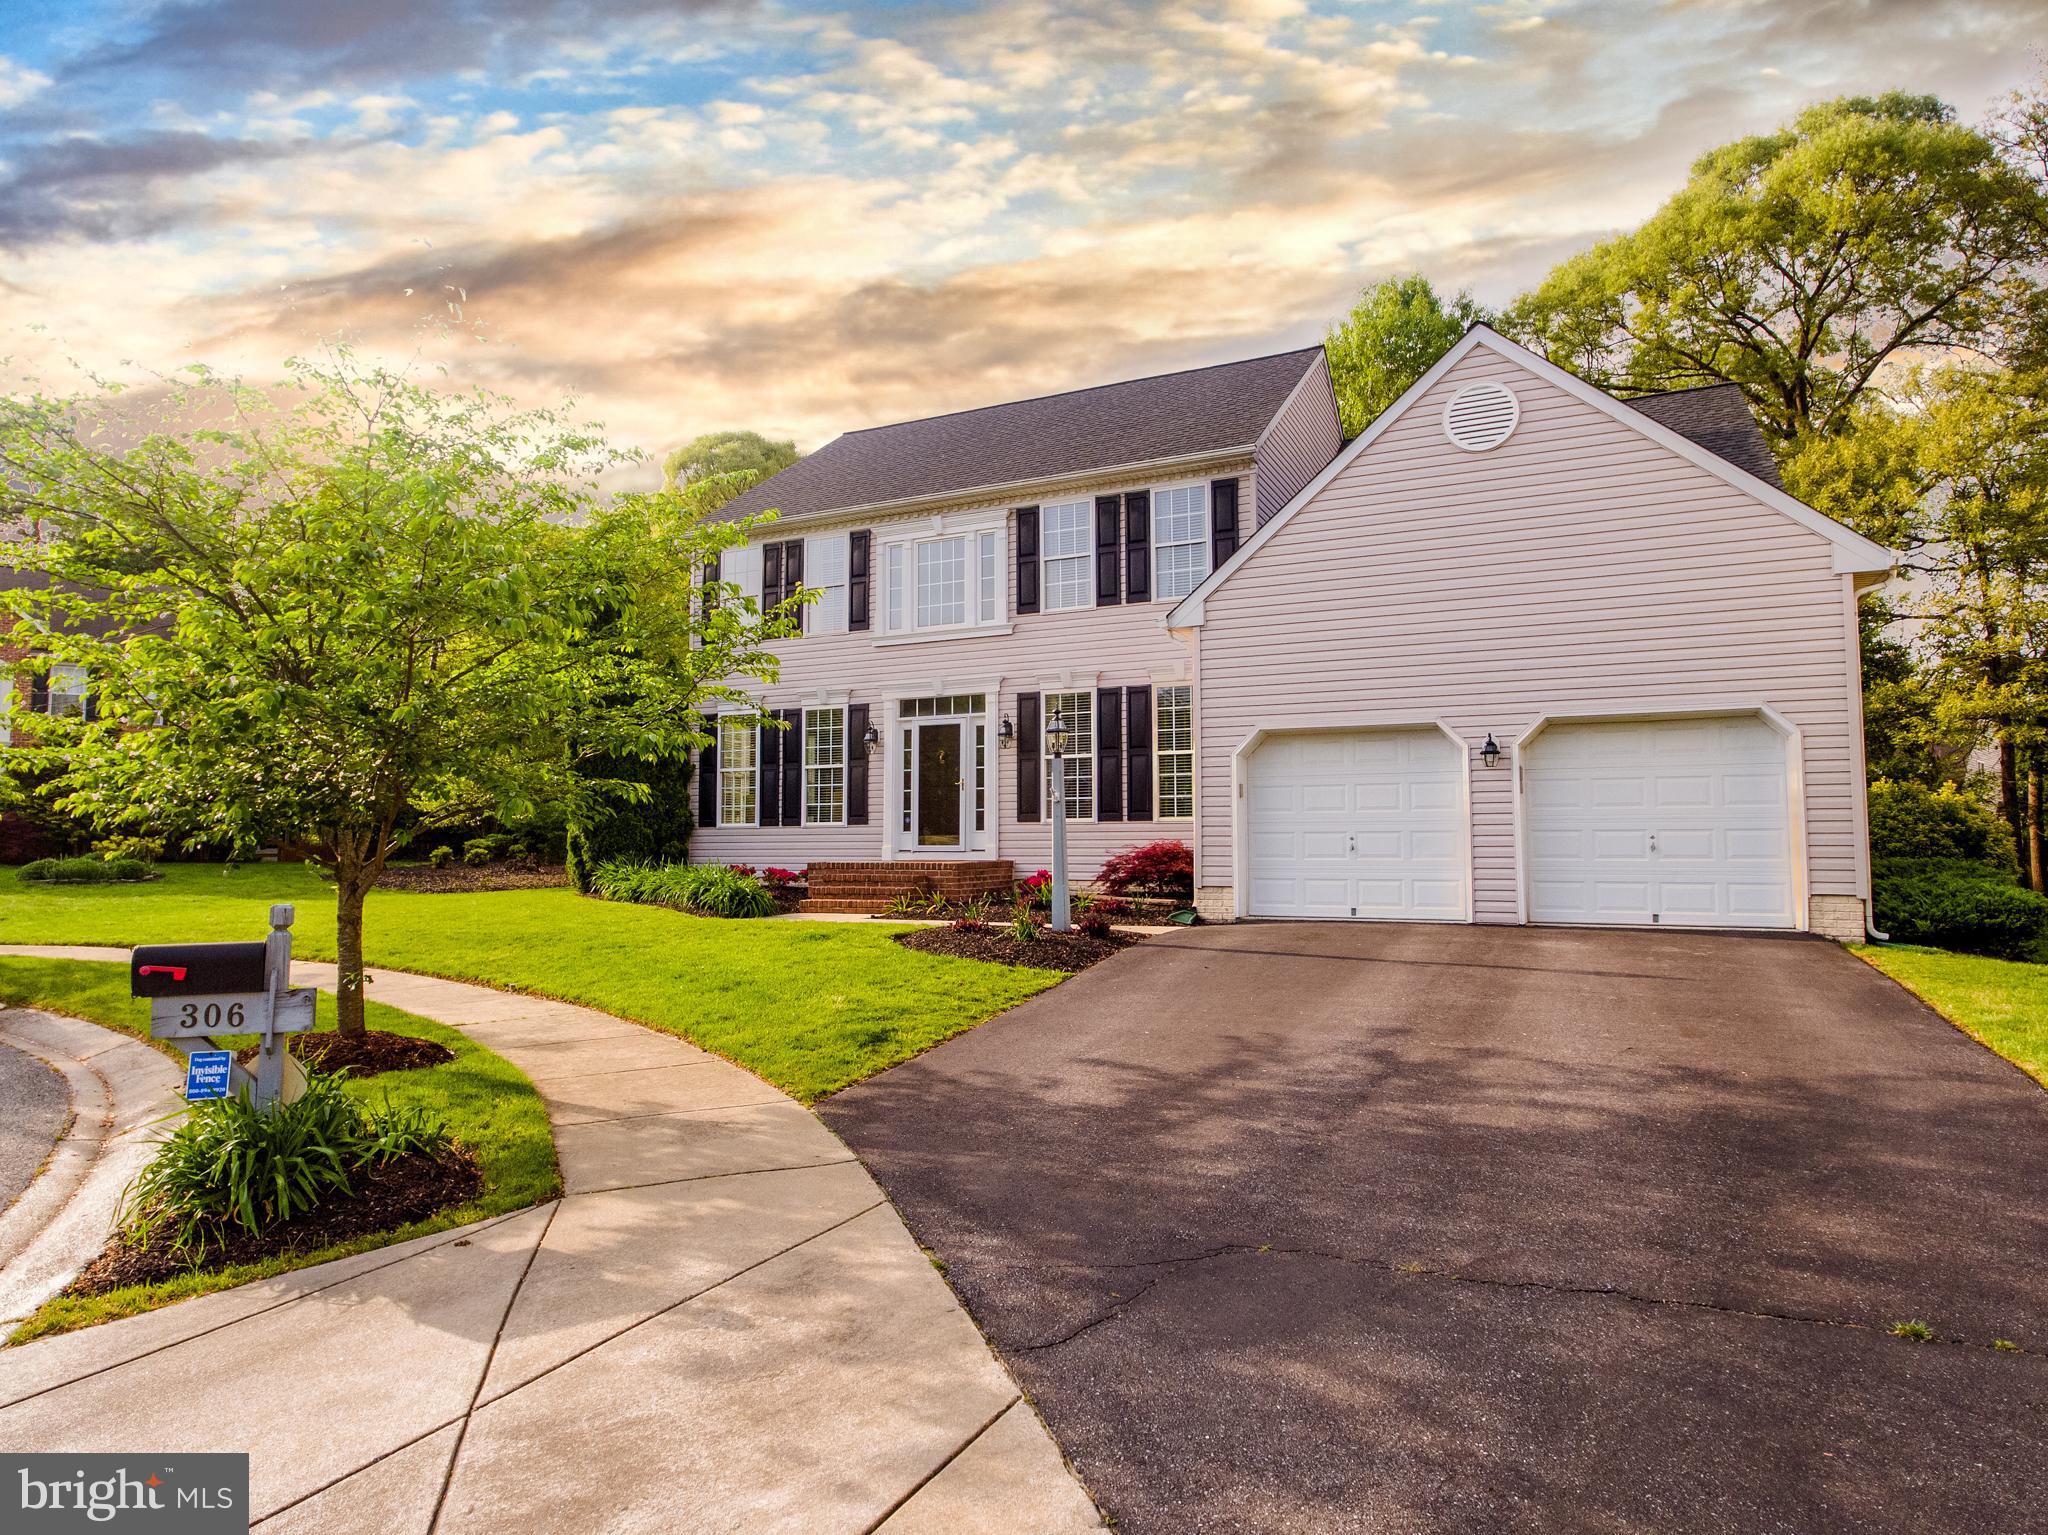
1056, 744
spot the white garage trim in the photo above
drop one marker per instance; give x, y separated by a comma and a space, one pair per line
1240, 814
1795, 781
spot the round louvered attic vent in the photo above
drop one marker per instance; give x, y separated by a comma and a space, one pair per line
1481, 416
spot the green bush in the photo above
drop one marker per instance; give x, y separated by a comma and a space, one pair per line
1912, 821
710, 889
1958, 905
128, 869
441, 857
478, 851
228, 1165
653, 830
35, 873
82, 871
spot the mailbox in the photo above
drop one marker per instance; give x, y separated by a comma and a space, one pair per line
198, 970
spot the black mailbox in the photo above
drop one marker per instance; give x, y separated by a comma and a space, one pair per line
197, 969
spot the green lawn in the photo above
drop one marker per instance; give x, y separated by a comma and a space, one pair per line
2000, 1003
810, 1006
487, 1102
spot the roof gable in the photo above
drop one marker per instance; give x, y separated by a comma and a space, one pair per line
1171, 416
1853, 553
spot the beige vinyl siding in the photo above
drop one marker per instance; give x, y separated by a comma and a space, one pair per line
1122, 645
1578, 569
1298, 446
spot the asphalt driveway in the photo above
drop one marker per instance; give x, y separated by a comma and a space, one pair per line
1401, 1228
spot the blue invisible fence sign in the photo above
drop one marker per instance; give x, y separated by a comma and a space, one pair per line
208, 1074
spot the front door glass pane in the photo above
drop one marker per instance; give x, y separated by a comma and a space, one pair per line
938, 785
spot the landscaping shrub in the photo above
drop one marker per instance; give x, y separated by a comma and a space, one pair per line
653, 831
478, 851
710, 889
228, 1165
441, 856
84, 871
782, 879
1957, 905
1037, 890
1164, 870
1092, 924
35, 873
127, 869
1912, 821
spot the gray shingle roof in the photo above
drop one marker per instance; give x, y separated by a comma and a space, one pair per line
1717, 417
1170, 415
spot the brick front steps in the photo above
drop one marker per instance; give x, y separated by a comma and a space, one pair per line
870, 887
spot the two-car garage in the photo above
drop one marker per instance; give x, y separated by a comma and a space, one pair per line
1650, 821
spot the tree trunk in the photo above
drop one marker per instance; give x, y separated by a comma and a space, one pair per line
351, 886
2034, 849
2009, 797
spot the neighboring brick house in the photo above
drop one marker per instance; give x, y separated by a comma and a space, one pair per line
58, 689
1521, 652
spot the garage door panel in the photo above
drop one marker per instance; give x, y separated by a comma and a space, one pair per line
1375, 826
1659, 821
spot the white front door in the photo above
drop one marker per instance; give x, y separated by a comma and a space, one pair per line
1671, 823
1357, 823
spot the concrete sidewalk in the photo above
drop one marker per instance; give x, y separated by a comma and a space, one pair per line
721, 1326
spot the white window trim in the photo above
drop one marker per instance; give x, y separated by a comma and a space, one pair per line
1158, 754
1087, 557
1045, 756
1207, 540
845, 747
739, 722
885, 601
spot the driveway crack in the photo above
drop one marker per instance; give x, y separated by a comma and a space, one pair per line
1409, 1270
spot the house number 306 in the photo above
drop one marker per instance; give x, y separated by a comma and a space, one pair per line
212, 1016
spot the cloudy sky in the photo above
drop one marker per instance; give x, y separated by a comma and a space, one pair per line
693, 214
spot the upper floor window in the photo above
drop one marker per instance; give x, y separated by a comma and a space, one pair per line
64, 689
947, 581
825, 570
1180, 540
1066, 541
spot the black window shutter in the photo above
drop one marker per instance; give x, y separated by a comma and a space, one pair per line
710, 581
1028, 775
792, 767
707, 780
92, 706
1108, 542
1027, 563
768, 773
1138, 753
857, 756
857, 545
1109, 754
793, 576
771, 575
39, 693
1222, 522
1138, 546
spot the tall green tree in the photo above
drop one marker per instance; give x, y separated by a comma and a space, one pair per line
1799, 263
725, 463
361, 610
1393, 335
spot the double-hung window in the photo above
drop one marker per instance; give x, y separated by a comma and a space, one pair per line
1180, 539
1173, 745
1076, 711
738, 777
824, 767
66, 689
825, 573
1066, 542
948, 580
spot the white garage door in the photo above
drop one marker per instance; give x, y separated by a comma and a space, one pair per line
1367, 823
1681, 823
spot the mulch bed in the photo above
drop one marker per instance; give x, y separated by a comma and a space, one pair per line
456, 878
384, 1198
1049, 951
365, 1055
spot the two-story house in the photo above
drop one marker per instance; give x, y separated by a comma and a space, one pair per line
1520, 652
